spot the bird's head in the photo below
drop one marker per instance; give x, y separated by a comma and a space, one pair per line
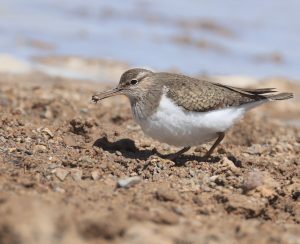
132, 84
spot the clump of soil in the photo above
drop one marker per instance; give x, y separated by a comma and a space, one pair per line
76, 172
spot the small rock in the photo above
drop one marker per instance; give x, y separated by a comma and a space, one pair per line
266, 191
28, 139
53, 166
145, 144
69, 140
229, 164
213, 178
84, 110
198, 200
296, 195
166, 195
58, 189
48, 114
86, 159
270, 182
80, 126
294, 190
95, 175
262, 182
252, 180
40, 149
221, 180
48, 132
61, 173
76, 174
28, 152
128, 182
68, 163
12, 149
254, 149
2, 139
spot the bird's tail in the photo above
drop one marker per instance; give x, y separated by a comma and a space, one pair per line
280, 96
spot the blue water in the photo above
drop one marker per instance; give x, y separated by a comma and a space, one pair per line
142, 33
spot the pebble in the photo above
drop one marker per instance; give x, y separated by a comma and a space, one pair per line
252, 180
12, 149
262, 182
84, 110
53, 166
40, 149
86, 159
145, 144
48, 114
59, 189
48, 132
229, 164
61, 173
28, 139
95, 175
76, 174
166, 195
128, 182
2, 139
69, 140
294, 190
255, 149
266, 191
213, 178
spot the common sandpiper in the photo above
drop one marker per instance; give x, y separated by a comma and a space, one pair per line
184, 111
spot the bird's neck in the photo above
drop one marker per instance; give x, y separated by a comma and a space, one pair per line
146, 104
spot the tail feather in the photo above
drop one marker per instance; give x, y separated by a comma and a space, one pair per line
280, 96
260, 93
260, 90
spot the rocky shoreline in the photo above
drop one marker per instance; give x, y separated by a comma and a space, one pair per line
75, 172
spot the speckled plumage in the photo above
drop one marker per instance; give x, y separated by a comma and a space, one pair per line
200, 95
190, 93
185, 111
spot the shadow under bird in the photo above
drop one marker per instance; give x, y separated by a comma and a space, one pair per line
184, 111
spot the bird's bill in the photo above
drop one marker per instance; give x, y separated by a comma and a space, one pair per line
105, 94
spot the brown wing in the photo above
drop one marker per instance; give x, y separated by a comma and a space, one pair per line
198, 95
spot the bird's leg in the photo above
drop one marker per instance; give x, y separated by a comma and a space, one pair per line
173, 156
177, 154
217, 142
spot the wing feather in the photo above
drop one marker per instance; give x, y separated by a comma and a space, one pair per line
200, 95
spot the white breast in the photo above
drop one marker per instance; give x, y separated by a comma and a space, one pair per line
175, 126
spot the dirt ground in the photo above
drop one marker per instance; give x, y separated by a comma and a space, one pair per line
76, 172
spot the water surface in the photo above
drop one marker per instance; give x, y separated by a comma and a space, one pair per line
256, 38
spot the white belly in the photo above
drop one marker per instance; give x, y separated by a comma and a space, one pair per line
175, 126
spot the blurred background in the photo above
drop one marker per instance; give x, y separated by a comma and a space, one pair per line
63, 158
87, 39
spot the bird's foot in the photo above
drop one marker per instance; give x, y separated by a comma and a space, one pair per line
172, 156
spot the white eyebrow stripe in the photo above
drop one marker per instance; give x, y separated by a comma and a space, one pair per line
142, 76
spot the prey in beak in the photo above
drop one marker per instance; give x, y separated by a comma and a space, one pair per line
105, 94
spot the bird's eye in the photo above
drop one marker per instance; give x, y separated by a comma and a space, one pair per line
134, 82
